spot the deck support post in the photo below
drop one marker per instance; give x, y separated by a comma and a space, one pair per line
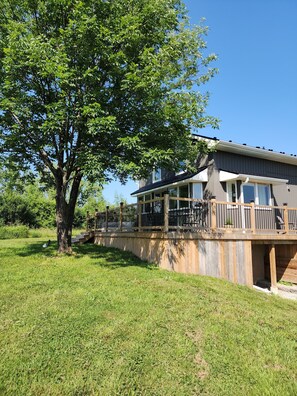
166, 212
272, 261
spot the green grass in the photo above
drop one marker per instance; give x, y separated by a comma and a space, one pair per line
17, 231
49, 233
101, 322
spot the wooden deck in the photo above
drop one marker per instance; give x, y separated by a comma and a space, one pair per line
243, 243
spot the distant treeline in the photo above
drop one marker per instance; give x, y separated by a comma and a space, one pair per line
32, 203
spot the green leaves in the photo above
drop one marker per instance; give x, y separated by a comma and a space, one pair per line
98, 87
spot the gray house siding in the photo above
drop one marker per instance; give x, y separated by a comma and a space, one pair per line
255, 166
235, 163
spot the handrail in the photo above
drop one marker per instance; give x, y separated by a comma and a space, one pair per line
210, 214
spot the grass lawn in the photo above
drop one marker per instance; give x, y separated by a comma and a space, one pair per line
102, 322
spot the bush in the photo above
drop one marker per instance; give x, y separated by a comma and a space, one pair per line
43, 233
12, 232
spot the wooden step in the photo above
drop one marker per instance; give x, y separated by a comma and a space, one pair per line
82, 238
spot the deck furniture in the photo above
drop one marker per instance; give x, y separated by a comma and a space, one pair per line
281, 223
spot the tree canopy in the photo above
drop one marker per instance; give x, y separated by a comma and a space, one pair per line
96, 88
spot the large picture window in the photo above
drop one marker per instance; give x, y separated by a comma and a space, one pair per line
259, 193
249, 193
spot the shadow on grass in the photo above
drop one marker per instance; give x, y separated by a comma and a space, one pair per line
110, 258
31, 249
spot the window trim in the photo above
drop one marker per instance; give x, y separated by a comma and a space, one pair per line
229, 191
154, 173
192, 192
144, 204
178, 195
256, 193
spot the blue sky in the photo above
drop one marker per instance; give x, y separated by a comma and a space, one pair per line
255, 92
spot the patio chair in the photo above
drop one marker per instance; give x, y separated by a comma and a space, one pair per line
281, 223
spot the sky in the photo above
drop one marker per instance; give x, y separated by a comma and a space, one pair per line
255, 92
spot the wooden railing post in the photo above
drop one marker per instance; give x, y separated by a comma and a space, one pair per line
106, 218
213, 204
139, 213
253, 217
96, 220
166, 212
87, 221
121, 216
286, 218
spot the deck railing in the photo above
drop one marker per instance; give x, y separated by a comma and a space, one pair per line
187, 214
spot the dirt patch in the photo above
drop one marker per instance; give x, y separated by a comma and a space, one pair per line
203, 368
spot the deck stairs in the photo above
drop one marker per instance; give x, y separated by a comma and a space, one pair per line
82, 238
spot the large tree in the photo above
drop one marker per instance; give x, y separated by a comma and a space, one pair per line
96, 88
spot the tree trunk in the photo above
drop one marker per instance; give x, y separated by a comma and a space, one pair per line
72, 203
65, 212
62, 217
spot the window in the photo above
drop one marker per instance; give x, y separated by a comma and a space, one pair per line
156, 175
183, 193
172, 193
158, 204
264, 194
231, 192
182, 167
259, 193
197, 191
146, 207
248, 193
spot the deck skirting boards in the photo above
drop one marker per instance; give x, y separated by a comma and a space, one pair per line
221, 256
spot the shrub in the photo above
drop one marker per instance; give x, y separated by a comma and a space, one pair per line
43, 233
12, 232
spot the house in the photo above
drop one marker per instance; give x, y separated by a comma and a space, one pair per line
232, 172
234, 218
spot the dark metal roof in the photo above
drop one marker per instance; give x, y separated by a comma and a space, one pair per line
233, 145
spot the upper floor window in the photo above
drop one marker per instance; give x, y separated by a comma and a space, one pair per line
156, 175
181, 168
